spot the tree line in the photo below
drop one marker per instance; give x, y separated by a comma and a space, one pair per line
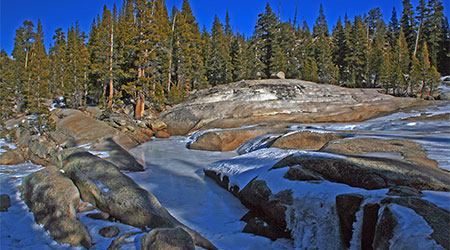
139, 53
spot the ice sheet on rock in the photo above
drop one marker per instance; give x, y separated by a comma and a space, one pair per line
254, 144
412, 231
439, 198
87, 147
242, 169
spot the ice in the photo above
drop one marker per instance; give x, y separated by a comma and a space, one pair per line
412, 231
174, 174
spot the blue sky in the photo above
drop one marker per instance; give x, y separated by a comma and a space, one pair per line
243, 13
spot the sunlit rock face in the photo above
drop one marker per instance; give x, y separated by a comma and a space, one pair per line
258, 101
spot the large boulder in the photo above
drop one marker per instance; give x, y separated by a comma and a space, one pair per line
38, 149
167, 239
228, 140
270, 207
74, 127
257, 101
71, 123
118, 155
102, 184
305, 140
13, 157
54, 200
370, 172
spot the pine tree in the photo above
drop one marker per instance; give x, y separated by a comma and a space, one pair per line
433, 29
57, 56
39, 73
423, 73
77, 67
218, 69
444, 52
322, 50
237, 54
358, 53
6, 87
393, 28
21, 53
340, 50
305, 54
267, 35
104, 54
126, 46
401, 64
288, 44
408, 23
191, 67
254, 64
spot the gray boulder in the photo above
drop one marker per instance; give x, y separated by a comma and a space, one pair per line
109, 232
167, 239
118, 155
5, 202
102, 184
271, 101
54, 200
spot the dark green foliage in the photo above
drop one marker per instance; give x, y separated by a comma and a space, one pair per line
267, 35
138, 53
219, 61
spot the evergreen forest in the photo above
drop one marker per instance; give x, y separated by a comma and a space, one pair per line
137, 53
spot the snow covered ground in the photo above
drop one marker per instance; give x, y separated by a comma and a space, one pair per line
174, 174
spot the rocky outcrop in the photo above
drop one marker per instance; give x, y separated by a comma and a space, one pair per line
266, 206
118, 155
54, 200
401, 150
347, 205
37, 149
370, 173
102, 184
254, 102
228, 140
13, 157
305, 140
167, 239
73, 127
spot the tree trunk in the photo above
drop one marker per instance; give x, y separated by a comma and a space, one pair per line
139, 110
417, 38
422, 90
111, 50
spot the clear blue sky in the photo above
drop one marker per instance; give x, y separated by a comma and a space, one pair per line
243, 13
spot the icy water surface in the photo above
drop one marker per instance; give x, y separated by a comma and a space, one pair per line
174, 174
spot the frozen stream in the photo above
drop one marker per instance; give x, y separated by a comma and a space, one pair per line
174, 174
